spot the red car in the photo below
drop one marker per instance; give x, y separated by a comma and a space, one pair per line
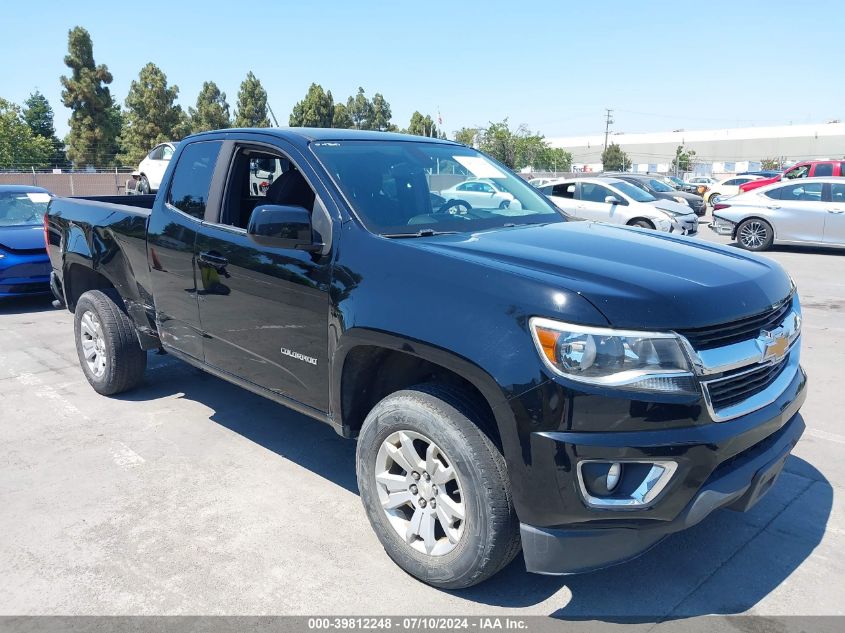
807, 169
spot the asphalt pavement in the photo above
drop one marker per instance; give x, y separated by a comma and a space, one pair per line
192, 496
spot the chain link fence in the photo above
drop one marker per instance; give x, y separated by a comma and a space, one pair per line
98, 183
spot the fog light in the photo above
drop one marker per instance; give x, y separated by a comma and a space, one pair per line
614, 473
620, 485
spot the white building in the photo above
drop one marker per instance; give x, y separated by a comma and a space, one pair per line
717, 151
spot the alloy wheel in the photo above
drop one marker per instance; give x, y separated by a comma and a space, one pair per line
93, 343
420, 493
753, 234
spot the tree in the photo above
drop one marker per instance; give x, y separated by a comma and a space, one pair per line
381, 114
252, 104
521, 148
152, 115
360, 111
341, 118
614, 159
20, 147
467, 136
552, 159
38, 115
683, 161
95, 117
317, 109
422, 125
212, 111
771, 163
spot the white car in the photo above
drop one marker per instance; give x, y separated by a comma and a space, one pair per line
810, 211
619, 202
726, 188
539, 182
702, 180
482, 192
151, 169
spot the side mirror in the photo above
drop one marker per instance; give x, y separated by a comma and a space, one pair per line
281, 226
612, 200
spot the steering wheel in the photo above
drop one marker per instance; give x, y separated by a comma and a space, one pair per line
454, 207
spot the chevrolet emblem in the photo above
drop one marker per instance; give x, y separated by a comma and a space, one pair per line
775, 344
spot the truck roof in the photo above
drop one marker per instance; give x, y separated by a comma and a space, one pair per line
309, 134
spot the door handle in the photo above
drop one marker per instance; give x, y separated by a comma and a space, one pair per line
837, 211
773, 206
211, 259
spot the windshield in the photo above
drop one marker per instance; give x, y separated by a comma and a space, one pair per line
633, 191
659, 185
389, 184
19, 209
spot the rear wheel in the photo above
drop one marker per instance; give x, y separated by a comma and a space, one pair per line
755, 234
435, 488
144, 185
712, 199
106, 344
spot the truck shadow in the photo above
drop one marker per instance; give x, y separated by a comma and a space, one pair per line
725, 565
25, 305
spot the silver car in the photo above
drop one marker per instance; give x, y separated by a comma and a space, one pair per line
807, 211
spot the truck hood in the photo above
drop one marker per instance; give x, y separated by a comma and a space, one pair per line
637, 278
22, 238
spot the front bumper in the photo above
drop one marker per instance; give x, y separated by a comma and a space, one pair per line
718, 464
737, 486
685, 224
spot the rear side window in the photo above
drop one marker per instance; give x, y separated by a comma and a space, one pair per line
565, 190
801, 192
192, 178
823, 169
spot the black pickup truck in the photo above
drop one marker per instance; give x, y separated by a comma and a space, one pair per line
514, 379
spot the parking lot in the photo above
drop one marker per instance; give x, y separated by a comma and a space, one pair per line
190, 495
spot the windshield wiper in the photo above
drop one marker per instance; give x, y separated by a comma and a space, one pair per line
420, 233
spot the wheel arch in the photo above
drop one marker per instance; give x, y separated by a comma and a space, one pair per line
756, 216
640, 218
370, 365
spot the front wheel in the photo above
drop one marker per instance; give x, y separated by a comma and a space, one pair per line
106, 344
755, 234
144, 185
435, 488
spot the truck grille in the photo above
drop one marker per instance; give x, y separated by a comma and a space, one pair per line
742, 330
742, 384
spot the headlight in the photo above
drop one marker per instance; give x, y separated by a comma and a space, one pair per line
638, 361
681, 200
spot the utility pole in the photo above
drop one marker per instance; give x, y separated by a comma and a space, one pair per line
607, 124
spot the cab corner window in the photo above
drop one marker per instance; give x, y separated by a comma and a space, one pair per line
192, 178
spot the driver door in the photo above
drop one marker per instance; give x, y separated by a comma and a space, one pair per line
591, 204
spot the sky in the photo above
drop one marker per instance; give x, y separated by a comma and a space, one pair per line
552, 66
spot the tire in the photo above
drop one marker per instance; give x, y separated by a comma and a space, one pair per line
487, 538
712, 199
144, 185
112, 360
755, 234
505, 204
643, 224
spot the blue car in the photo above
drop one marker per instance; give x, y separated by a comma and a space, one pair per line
24, 266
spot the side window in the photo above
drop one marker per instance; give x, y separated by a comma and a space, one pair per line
842, 169
594, 193
564, 190
801, 192
192, 178
823, 169
156, 153
733, 182
465, 186
166, 152
837, 193
798, 172
257, 178
485, 188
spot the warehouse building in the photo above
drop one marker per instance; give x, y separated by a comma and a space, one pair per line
717, 152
